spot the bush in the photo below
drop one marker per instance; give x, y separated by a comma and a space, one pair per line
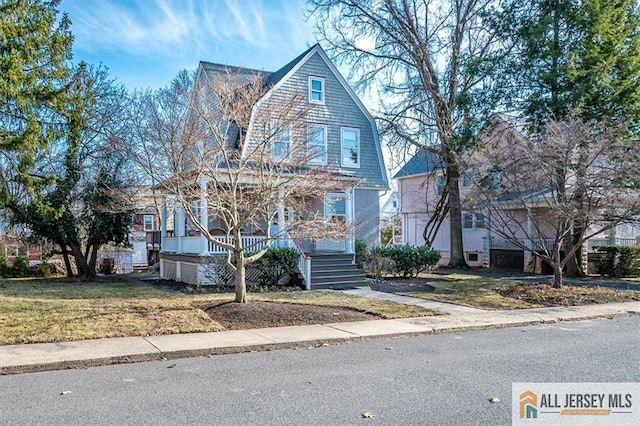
44, 270
361, 252
277, 266
20, 268
619, 261
406, 261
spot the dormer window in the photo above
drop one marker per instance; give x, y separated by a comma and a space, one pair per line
316, 90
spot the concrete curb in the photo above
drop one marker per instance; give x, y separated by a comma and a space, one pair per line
91, 353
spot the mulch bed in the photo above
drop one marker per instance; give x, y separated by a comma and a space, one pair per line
568, 295
259, 314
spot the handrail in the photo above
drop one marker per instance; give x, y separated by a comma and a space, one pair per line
304, 264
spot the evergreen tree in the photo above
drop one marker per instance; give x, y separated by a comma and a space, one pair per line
573, 56
35, 49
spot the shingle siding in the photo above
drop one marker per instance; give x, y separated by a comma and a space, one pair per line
339, 110
367, 216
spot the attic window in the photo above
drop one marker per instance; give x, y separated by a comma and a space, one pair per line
316, 90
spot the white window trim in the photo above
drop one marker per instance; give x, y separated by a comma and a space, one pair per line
342, 130
144, 222
322, 91
474, 220
315, 160
273, 124
328, 199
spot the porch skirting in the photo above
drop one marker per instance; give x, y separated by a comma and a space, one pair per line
191, 269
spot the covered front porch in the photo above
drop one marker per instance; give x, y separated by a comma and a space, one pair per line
187, 254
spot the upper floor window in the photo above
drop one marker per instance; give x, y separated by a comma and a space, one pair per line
280, 138
317, 149
316, 90
351, 147
441, 184
148, 222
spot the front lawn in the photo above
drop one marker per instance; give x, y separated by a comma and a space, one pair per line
484, 292
56, 310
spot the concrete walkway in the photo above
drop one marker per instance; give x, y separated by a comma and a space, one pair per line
15, 359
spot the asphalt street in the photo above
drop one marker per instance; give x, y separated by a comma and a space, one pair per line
444, 379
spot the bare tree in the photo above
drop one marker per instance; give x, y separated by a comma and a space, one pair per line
241, 156
432, 61
574, 174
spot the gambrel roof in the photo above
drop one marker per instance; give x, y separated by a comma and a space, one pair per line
276, 79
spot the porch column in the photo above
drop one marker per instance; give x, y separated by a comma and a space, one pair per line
349, 221
281, 217
178, 226
203, 218
290, 220
163, 218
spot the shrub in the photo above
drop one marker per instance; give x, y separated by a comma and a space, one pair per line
619, 261
44, 269
20, 268
277, 265
407, 261
361, 252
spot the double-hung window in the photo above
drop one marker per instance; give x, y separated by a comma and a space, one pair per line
350, 147
316, 90
473, 221
148, 222
317, 149
335, 207
280, 140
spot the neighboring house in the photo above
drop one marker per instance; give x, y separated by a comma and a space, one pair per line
348, 139
13, 246
144, 237
390, 223
421, 181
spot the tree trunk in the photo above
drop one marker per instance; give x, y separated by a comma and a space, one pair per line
557, 274
456, 258
67, 262
240, 278
81, 262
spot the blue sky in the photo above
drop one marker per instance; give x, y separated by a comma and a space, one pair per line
144, 43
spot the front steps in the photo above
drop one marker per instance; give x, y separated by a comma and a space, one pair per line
335, 270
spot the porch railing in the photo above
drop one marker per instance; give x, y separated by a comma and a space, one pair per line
520, 244
192, 244
304, 265
250, 243
591, 243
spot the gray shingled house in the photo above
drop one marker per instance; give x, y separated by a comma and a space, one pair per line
347, 139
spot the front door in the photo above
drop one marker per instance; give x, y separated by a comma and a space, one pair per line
334, 210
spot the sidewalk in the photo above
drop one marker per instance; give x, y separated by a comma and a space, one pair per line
15, 359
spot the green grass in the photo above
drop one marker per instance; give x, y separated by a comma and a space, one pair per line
61, 310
